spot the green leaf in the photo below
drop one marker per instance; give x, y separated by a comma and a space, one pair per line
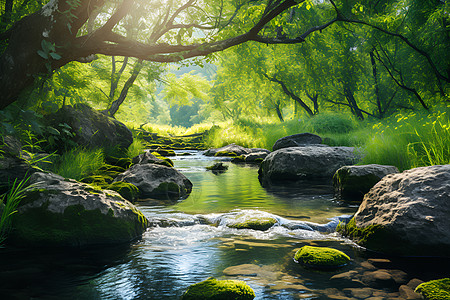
53, 131
55, 56
42, 54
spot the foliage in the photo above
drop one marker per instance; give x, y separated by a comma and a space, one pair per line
8, 206
79, 162
137, 147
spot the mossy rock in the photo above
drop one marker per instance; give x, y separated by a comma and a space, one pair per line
226, 153
166, 188
372, 237
435, 289
260, 222
321, 257
238, 159
213, 289
217, 167
165, 152
127, 190
169, 162
98, 180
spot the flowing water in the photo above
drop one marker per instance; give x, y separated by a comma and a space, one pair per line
190, 242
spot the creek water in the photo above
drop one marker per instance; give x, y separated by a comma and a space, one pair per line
183, 247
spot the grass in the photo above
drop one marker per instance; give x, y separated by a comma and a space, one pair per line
79, 162
8, 206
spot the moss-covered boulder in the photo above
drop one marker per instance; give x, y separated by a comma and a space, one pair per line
127, 190
233, 150
217, 167
321, 257
405, 214
296, 140
91, 128
166, 161
251, 219
58, 212
157, 182
213, 289
351, 183
435, 289
152, 158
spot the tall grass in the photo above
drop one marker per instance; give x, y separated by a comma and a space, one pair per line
137, 147
79, 162
410, 140
8, 206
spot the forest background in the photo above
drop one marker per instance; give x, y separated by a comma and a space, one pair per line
369, 74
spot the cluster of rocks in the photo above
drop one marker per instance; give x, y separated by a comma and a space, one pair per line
65, 213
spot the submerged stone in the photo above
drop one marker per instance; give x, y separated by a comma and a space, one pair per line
321, 257
213, 289
435, 289
251, 220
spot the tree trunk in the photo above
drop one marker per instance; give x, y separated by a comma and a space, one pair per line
377, 92
352, 103
279, 113
116, 104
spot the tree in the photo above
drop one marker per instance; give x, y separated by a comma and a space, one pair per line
57, 34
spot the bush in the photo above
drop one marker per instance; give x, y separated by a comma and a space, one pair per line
79, 162
331, 123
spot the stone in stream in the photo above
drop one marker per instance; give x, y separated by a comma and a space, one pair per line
406, 214
156, 181
296, 140
58, 212
353, 182
149, 158
248, 219
321, 257
300, 163
435, 289
233, 150
213, 289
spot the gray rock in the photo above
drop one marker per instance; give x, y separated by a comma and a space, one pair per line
353, 182
155, 181
309, 162
92, 128
10, 145
406, 213
297, 140
254, 157
233, 150
148, 158
61, 212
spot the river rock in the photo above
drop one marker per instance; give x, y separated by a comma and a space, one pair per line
156, 181
63, 212
213, 289
297, 140
92, 128
309, 162
406, 214
233, 150
353, 182
149, 158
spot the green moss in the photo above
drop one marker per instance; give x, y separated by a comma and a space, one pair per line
435, 289
372, 237
168, 161
254, 222
127, 190
213, 289
321, 257
75, 227
98, 180
225, 153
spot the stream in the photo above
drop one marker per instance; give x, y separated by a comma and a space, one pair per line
189, 242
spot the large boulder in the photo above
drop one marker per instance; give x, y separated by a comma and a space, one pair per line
92, 128
309, 162
233, 150
297, 140
406, 214
149, 158
353, 182
156, 181
65, 213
